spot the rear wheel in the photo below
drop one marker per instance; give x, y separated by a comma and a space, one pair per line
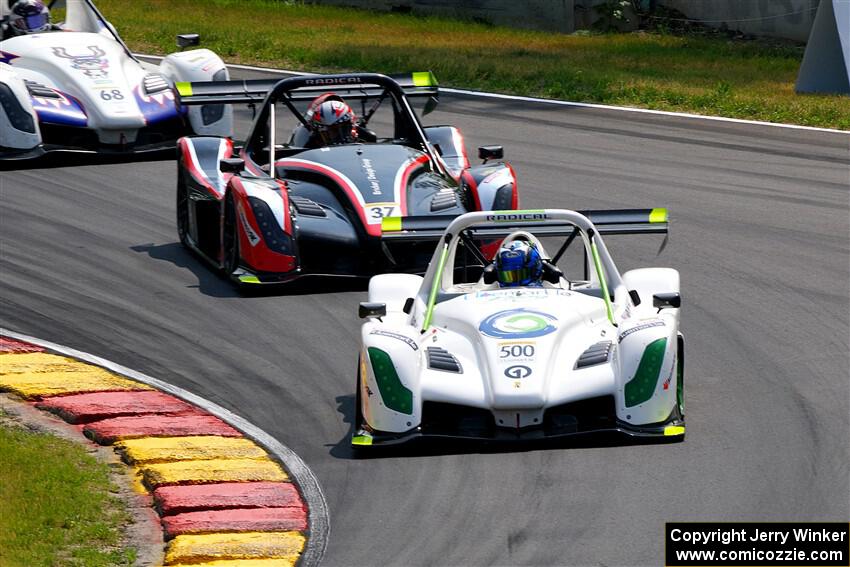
182, 209
230, 237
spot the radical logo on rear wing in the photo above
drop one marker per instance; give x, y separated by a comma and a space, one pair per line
518, 216
500, 223
305, 88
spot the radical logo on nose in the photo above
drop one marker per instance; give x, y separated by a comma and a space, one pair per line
518, 324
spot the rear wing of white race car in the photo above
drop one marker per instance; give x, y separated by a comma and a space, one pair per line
611, 221
306, 87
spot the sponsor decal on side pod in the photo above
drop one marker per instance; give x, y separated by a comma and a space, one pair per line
405, 339
640, 327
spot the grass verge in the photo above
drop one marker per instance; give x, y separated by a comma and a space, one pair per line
55, 504
704, 75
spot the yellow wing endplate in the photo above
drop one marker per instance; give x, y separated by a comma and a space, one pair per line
183, 88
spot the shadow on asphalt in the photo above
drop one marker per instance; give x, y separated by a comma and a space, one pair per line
310, 285
209, 282
213, 283
77, 159
435, 447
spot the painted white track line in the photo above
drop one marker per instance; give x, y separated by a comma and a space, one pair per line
535, 100
319, 523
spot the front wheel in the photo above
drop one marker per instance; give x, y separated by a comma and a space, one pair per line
680, 376
358, 407
182, 209
358, 441
230, 237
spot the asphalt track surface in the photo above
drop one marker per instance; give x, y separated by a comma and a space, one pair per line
761, 235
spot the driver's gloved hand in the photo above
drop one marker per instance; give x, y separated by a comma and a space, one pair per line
366, 135
489, 274
551, 273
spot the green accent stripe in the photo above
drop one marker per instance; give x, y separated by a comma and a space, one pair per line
642, 386
424, 79
395, 396
391, 224
432, 297
601, 275
249, 279
658, 215
184, 89
361, 440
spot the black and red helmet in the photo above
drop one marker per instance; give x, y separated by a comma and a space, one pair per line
332, 120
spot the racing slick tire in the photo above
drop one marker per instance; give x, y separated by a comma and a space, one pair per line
230, 237
182, 210
680, 377
358, 411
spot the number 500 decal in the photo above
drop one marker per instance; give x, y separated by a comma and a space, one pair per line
516, 351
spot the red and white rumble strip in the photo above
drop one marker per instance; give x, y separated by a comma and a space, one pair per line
226, 492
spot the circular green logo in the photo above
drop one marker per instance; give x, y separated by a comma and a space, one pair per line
517, 324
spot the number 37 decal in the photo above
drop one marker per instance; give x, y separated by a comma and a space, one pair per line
377, 211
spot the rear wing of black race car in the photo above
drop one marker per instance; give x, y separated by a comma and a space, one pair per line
611, 221
307, 87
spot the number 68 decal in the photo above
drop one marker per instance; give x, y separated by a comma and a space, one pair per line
377, 211
114, 94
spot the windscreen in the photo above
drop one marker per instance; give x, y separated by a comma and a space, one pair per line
475, 252
76, 15
291, 129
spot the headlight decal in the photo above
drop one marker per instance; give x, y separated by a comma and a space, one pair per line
20, 118
273, 235
394, 394
640, 388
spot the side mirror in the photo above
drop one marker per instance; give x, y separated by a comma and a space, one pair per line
408, 305
185, 40
662, 300
491, 152
369, 310
232, 165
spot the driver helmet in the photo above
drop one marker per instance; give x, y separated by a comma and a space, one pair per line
29, 16
332, 120
518, 263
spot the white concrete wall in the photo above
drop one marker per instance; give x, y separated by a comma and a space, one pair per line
549, 15
780, 18
791, 19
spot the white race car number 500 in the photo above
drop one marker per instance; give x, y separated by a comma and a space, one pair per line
511, 352
516, 350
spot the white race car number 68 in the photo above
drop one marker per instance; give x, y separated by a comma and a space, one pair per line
114, 94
